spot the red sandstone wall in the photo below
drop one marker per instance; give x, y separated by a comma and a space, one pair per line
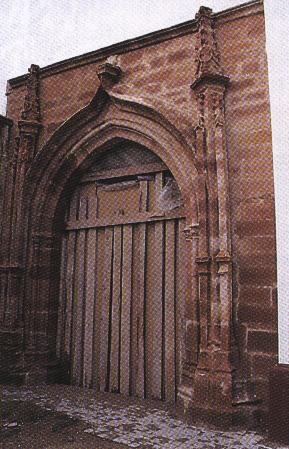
242, 46
160, 75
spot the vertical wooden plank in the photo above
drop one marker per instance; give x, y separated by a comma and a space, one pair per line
149, 308
159, 183
134, 310
140, 385
169, 312
105, 310
151, 196
126, 310
3, 280
140, 294
69, 281
98, 294
89, 306
157, 306
116, 312
157, 343
78, 302
74, 205
91, 201
141, 371
62, 298
83, 204
182, 294
143, 187
3, 290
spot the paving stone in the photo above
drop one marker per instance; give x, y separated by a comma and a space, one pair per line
138, 426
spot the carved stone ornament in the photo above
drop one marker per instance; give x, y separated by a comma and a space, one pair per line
191, 232
207, 60
109, 72
201, 109
218, 108
224, 261
31, 110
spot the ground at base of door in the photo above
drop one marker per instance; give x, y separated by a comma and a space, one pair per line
66, 417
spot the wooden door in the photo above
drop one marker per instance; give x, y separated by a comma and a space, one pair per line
123, 283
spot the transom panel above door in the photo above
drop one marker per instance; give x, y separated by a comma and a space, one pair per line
124, 277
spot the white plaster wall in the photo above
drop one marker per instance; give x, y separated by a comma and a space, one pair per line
277, 44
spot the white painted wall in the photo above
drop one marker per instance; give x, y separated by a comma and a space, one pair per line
277, 43
42, 32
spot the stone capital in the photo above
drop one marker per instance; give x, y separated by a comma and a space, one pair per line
203, 262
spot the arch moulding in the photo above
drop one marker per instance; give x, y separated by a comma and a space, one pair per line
56, 169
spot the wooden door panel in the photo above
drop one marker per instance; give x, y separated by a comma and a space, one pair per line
169, 314
136, 286
122, 289
100, 273
115, 311
89, 309
126, 290
69, 291
157, 311
106, 309
140, 310
77, 309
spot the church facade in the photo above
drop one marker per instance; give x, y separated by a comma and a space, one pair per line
138, 250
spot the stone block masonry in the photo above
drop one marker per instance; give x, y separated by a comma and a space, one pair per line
196, 97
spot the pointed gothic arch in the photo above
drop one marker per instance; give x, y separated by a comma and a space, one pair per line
55, 171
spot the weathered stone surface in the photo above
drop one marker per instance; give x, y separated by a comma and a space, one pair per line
262, 341
216, 140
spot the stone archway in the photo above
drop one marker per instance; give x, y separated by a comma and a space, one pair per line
201, 174
55, 173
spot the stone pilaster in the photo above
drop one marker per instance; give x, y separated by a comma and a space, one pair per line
213, 378
29, 127
21, 158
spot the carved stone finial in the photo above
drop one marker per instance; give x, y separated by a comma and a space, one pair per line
204, 11
31, 110
208, 65
109, 72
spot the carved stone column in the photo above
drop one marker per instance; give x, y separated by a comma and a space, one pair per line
28, 130
213, 379
38, 280
29, 127
36, 314
11, 355
6, 174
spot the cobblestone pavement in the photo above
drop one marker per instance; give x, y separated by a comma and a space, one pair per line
135, 424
